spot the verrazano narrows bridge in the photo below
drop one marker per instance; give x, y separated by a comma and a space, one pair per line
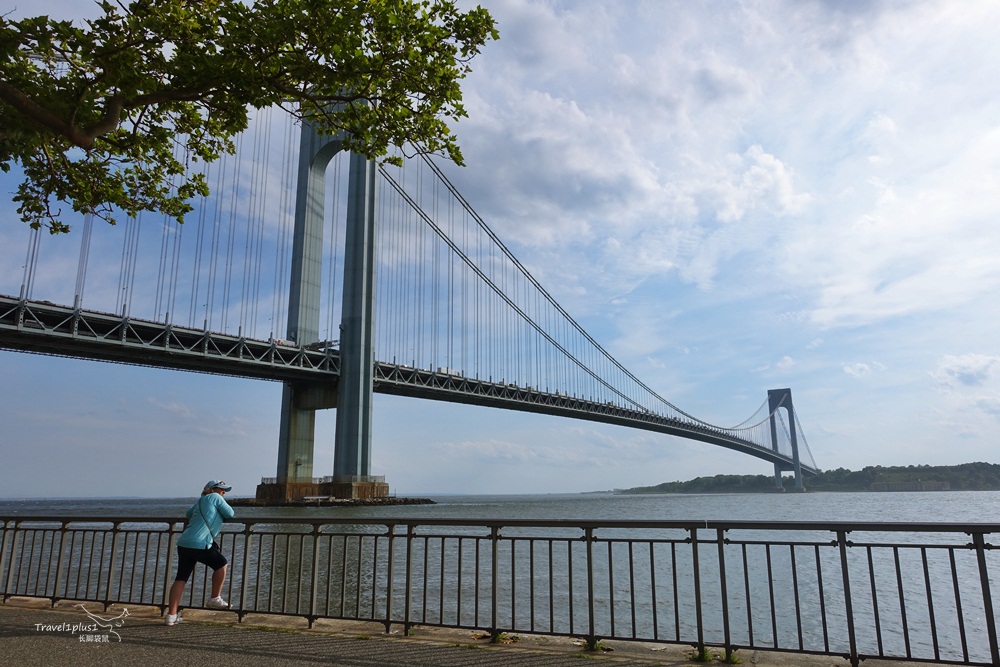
274, 277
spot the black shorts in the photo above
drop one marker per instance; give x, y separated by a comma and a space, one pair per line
186, 559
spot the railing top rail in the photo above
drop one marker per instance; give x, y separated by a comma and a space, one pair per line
829, 526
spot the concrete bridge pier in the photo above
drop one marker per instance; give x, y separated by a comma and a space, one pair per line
782, 398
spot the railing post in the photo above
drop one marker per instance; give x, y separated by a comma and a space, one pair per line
171, 550
984, 579
388, 577
848, 604
494, 587
115, 532
721, 536
409, 579
588, 535
244, 583
60, 563
697, 592
314, 592
7, 592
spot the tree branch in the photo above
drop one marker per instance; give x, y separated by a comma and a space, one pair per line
39, 115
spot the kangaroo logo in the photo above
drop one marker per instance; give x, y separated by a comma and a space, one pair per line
108, 624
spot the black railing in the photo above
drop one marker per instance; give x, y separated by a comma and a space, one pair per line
859, 590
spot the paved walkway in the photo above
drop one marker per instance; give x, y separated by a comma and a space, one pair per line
32, 634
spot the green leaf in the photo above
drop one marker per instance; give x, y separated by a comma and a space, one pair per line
91, 113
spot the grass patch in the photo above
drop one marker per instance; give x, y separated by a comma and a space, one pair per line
704, 655
599, 647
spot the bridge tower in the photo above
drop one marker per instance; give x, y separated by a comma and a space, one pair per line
782, 398
352, 395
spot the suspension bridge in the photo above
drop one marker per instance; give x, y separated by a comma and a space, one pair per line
340, 278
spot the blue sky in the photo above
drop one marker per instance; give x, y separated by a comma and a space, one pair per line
731, 197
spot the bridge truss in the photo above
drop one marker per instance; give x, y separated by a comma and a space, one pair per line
49, 329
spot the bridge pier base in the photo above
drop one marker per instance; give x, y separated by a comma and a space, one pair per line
277, 492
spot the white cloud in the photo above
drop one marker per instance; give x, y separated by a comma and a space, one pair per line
968, 370
860, 369
761, 181
857, 369
989, 405
174, 409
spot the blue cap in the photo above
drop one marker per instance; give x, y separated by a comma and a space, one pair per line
218, 484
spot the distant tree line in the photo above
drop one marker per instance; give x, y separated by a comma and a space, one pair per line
964, 477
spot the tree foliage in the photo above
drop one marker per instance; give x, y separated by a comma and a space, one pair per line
110, 115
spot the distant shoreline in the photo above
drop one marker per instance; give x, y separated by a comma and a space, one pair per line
872, 479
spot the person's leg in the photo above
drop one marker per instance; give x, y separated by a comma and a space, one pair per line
218, 579
176, 591
185, 565
215, 560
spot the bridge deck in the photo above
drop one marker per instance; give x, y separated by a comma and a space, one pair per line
45, 328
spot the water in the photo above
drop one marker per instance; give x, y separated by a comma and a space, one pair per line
944, 507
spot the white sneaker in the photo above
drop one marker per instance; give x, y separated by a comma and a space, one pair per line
218, 603
172, 619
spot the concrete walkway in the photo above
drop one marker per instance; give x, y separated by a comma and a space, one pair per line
32, 633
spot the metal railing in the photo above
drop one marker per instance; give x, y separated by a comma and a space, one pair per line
920, 592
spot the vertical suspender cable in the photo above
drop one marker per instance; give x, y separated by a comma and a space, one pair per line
130, 250
162, 268
30, 262
168, 248
465, 295
199, 249
119, 303
227, 276
250, 231
416, 286
134, 263
280, 292
388, 256
409, 232
258, 260
436, 280
420, 286
451, 287
81, 265
391, 306
174, 269
409, 235
333, 265
222, 185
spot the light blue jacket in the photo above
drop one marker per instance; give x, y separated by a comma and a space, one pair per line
206, 517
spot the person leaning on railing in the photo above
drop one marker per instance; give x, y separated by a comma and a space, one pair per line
197, 545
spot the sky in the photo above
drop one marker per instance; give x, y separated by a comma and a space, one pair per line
730, 196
